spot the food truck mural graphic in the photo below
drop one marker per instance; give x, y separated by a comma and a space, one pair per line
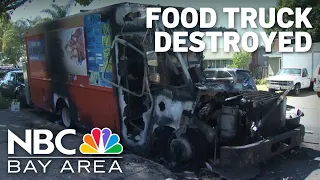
98, 142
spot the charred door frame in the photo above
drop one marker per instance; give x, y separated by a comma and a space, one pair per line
141, 145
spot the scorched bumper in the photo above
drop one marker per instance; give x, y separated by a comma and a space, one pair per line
241, 156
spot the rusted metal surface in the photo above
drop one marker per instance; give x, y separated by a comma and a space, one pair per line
247, 155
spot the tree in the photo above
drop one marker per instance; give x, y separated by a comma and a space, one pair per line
241, 60
12, 45
11, 5
57, 11
11, 42
37, 20
314, 17
8, 5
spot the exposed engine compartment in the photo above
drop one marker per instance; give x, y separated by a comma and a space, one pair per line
220, 118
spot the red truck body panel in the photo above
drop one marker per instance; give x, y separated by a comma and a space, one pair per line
95, 106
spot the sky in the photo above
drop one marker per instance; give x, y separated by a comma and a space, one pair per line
34, 8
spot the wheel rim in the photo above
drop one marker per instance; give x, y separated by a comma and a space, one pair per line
65, 117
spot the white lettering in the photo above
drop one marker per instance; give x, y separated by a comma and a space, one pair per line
31, 168
283, 41
44, 166
214, 40
47, 141
151, 17
255, 41
157, 41
58, 141
203, 17
83, 164
268, 40
248, 15
298, 44
66, 163
262, 17
200, 43
302, 17
96, 165
231, 42
26, 145
184, 17
177, 41
16, 166
231, 12
280, 17
115, 162
165, 17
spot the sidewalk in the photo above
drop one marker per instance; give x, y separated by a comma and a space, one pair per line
133, 167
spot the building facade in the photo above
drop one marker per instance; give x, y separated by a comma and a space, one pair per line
217, 59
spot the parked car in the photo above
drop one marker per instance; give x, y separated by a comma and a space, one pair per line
316, 83
5, 70
288, 77
12, 85
309, 60
230, 75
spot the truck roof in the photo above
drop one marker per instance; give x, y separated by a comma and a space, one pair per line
226, 69
81, 14
77, 19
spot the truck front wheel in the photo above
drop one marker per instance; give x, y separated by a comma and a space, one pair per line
296, 89
318, 93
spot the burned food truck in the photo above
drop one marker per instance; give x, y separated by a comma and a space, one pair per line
99, 69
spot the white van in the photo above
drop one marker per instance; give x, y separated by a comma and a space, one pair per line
316, 83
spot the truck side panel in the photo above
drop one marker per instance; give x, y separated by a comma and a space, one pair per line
57, 60
316, 63
291, 60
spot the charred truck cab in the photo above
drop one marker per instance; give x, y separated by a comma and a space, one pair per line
99, 69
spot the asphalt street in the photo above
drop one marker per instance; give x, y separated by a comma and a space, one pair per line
303, 162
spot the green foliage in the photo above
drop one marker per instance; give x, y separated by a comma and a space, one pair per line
241, 60
84, 2
262, 81
12, 46
57, 11
9, 5
314, 17
11, 41
4, 102
36, 20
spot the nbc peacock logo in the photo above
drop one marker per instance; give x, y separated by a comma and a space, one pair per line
101, 141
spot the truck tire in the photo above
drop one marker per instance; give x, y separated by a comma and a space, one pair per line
296, 89
318, 93
66, 117
311, 86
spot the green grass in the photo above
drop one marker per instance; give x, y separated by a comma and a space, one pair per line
262, 81
4, 102
262, 87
